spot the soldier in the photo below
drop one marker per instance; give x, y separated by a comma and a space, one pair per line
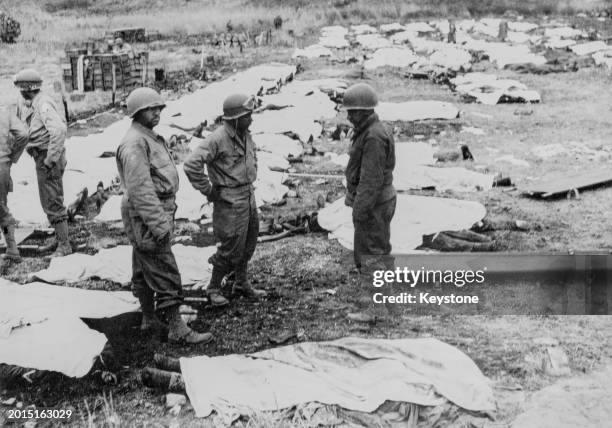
229, 155
370, 192
10, 125
369, 174
47, 130
120, 47
150, 182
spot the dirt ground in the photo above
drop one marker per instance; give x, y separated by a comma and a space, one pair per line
298, 272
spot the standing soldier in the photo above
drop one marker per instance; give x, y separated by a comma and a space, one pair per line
229, 155
369, 174
370, 191
10, 125
47, 129
150, 182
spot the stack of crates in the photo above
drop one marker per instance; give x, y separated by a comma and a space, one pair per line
130, 71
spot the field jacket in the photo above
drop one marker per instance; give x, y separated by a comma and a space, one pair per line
369, 172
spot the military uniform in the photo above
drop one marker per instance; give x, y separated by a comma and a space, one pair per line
150, 181
47, 130
10, 151
232, 169
370, 191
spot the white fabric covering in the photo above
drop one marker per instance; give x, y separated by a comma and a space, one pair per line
415, 216
354, 373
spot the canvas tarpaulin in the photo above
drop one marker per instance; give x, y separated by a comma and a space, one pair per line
354, 373
416, 110
490, 89
190, 110
115, 264
373, 41
446, 178
40, 325
334, 37
391, 57
414, 217
312, 51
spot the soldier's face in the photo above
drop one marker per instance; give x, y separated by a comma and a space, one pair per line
358, 116
243, 123
150, 117
28, 95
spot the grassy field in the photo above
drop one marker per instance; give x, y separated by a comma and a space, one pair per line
298, 271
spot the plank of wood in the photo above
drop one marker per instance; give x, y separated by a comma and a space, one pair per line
578, 181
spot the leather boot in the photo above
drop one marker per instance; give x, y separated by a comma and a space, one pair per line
166, 380
214, 288
12, 252
243, 287
179, 332
150, 321
63, 244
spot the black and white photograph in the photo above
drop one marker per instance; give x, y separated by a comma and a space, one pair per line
291, 213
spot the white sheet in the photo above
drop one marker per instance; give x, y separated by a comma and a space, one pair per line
414, 217
115, 264
353, 373
489, 89
416, 110
312, 51
56, 338
391, 57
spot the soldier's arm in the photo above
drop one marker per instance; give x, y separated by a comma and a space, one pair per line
21, 137
56, 127
195, 164
141, 191
370, 179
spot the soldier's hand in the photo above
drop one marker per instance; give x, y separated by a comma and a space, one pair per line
165, 238
49, 164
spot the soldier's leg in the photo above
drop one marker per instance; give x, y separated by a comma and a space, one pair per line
373, 240
51, 188
51, 193
145, 295
224, 226
161, 275
249, 236
6, 219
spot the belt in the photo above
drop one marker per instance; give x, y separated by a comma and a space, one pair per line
240, 187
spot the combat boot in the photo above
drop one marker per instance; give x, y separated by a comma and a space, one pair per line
214, 295
179, 332
243, 287
12, 252
150, 322
63, 244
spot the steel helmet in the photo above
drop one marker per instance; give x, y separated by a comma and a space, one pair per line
28, 80
238, 105
143, 98
360, 96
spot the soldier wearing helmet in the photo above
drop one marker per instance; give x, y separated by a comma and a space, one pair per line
10, 125
150, 181
369, 174
47, 132
120, 47
229, 155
